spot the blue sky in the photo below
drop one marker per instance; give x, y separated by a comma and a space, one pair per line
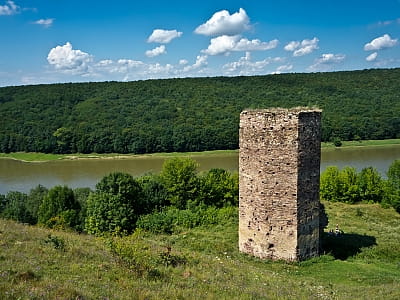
51, 41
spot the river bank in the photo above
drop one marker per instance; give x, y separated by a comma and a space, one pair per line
42, 157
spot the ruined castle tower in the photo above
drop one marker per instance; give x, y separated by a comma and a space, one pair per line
279, 169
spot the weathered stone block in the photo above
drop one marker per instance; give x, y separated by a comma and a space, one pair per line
279, 163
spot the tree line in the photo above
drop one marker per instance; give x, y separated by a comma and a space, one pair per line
178, 197
349, 186
190, 114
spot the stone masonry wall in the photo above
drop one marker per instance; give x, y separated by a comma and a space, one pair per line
279, 162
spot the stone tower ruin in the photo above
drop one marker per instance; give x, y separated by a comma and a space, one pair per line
279, 169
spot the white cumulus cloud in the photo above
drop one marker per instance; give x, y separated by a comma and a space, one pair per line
163, 36
44, 22
283, 69
156, 51
302, 48
225, 44
372, 56
381, 42
66, 59
8, 9
201, 61
327, 62
223, 23
245, 65
293, 45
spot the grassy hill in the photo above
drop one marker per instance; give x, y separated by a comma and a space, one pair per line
201, 263
190, 114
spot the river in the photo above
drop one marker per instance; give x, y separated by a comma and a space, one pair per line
22, 176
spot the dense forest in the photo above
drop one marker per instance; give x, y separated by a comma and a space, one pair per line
190, 114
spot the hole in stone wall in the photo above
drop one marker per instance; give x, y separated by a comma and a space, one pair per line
270, 246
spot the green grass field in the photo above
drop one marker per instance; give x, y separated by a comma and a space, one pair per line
37, 157
201, 263
365, 143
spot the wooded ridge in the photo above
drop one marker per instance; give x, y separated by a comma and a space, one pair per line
190, 114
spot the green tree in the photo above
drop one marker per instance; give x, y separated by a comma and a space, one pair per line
339, 185
329, 184
348, 191
64, 138
115, 205
370, 185
81, 196
59, 208
155, 195
393, 173
3, 202
180, 179
219, 188
35, 199
337, 142
15, 208
392, 188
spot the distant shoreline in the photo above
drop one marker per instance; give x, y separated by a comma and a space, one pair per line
43, 157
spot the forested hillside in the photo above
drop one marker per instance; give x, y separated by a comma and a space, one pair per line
191, 114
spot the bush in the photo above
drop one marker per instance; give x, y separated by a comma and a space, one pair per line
81, 196
155, 195
340, 185
115, 205
370, 185
180, 180
3, 202
172, 219
141, 257
219, 188
15, 208
348, 186
59, 203
35, 199
337, 142
392, 187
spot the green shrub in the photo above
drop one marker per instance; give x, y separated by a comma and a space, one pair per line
348, 186
337, 142
35, 199
15, 208
172, 219
3, 202
155, 195
392, 187
370, 184
136, 254
115, 205
180, 180
219, 188
81, 195
55, 242
59, 203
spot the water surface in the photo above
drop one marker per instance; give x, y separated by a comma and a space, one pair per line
22, 176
